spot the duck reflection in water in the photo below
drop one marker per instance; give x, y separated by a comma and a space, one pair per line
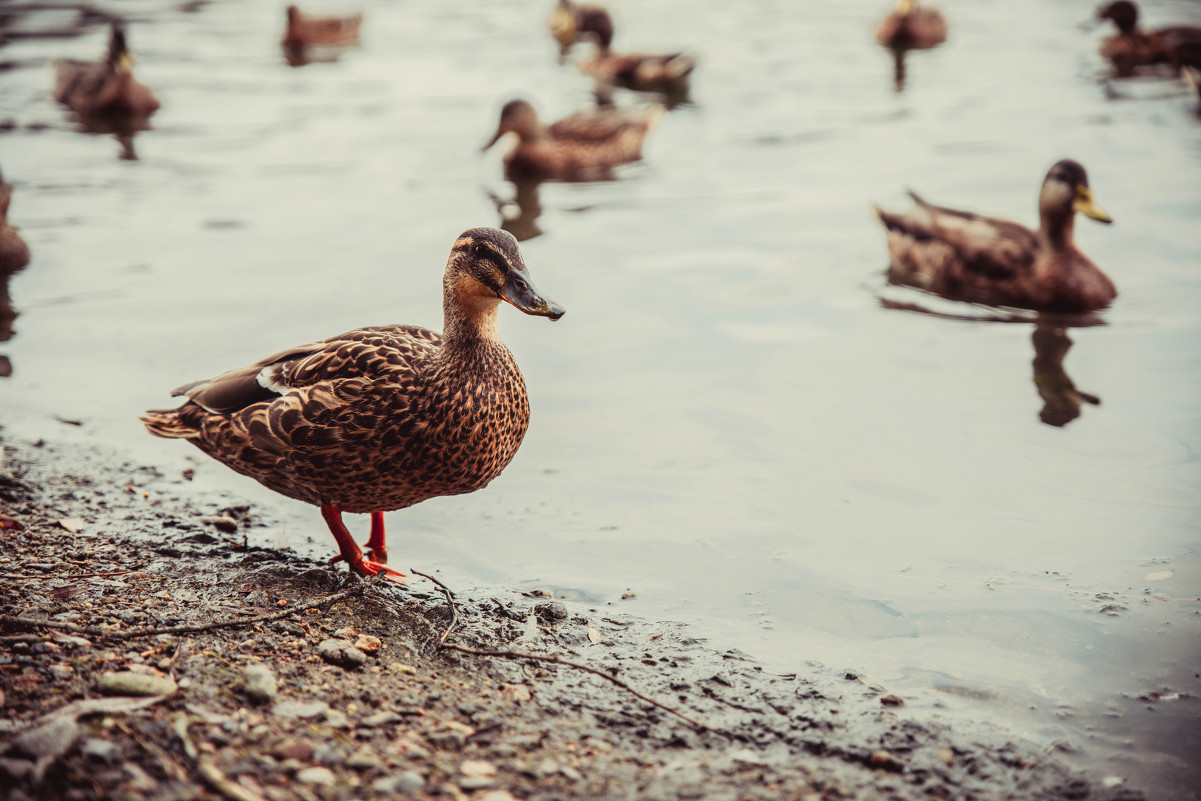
519, 216
910, 27
1061, 400
14, 255
309, 40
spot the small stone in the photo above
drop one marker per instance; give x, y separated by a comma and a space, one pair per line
892, 700
16, 769
448, 740
258, 683
101, 750
301, 750
885, 760
380, 719
346, 633
551, 612
341, 653
291, 710
547, 767
336, 719
322, 777
627, 595
947, 756
409, 783
48, 741
363, 758
477, 768
61, 671
470, 783
399, 667
128, 683
368, 644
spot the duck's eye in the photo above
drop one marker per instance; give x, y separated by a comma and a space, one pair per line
479, 249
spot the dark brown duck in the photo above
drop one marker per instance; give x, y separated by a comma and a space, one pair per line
1132, 47
963, 256
379, 418
912, 27
104, 88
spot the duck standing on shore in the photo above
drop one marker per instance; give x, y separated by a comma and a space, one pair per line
963, 256
379, 418
106, 88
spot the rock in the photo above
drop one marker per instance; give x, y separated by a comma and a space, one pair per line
319, 776
892, 700
380, 719
16, 769
258, 683
48, 741
885, 760
61, 671
363, 758
368, 644
127, 683
294, 749
341, 653
409, 783
551, 612
293, 710
101, 750
336, 719
477, 768
448, 740
469, 783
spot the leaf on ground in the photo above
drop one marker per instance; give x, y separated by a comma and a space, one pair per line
72, 524
593, 635
10, 524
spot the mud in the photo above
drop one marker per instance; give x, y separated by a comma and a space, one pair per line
92, 540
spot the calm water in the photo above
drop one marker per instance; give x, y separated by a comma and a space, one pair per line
727, 421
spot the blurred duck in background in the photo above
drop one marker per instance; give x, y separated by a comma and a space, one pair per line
910, 27
963, 256
308, 38
104, 90
641, 72
1132, 47
585, 146
14, 255
575, 22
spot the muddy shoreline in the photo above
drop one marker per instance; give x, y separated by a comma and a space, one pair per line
356, 699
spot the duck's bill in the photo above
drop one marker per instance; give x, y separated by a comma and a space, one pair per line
522, 293
1085, 204
492, 141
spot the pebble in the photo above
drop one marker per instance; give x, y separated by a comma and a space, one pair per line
477, 768
50, 740
61, 671
294, 749
341, 653
127, 683
885, 760
551, 611
409, 783
363, 759
322, 777
16, 769
368, 643
101, 750
469, 783
892, 700
448, 740
380, 719
290, 710
258, 682
336, 719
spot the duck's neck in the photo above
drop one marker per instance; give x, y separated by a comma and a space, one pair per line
1055, 228
469, 322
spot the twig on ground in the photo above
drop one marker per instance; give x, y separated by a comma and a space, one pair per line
557, 660
150, 631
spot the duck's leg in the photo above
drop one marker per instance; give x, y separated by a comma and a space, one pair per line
376, 543
350, 549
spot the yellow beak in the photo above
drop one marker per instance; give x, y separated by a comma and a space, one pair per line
1085, 204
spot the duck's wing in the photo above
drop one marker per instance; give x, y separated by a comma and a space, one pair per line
363, 354
598, 126
997, 248
72, 76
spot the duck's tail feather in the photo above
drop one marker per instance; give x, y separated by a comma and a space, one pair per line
165, 423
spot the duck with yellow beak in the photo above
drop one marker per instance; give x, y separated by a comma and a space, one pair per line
964, 256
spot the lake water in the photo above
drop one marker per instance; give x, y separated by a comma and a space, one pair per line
729, 421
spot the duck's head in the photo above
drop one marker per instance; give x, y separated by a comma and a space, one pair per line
516, 117
486, 267
1065, 191
119, 57
1123, 13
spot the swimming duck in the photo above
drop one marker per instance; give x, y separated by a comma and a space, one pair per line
964, 256
379, 418
304, 31
579, 147
912, 27
640, 72
14, 253
104, 88
573, 22
1133, 47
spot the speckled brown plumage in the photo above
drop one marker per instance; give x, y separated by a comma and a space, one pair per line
379, 418
667, 74
912, 27
1132, 47
14, 253
104, 88
582, 146
964, 256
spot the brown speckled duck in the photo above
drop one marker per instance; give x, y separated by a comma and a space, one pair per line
912, 27
964, 256
573, 22
641, 72
379, 418
307, 31
14, 253
104, 88
579, 147
1132, 47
